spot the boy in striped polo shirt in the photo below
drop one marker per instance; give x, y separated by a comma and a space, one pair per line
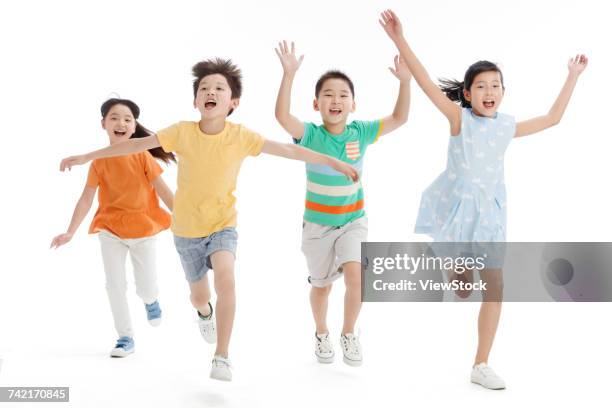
334, 219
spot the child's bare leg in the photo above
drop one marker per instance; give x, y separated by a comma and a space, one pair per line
318, 303
223, 266
352, 296
490, 311
200, 295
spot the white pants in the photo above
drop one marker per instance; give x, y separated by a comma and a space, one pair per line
142, 253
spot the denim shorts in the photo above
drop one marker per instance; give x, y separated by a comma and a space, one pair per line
195, 252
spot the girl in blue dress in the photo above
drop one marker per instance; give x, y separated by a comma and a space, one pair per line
467, 202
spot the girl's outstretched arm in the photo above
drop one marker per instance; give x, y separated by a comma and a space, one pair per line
163, 191
119, 149
295, 152
393, 27
576, 66
80, 211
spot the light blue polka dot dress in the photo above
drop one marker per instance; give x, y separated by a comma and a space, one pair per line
467, 202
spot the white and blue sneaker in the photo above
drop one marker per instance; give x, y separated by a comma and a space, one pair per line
207, 326
484, 375
123, 348
154, 313
221, 369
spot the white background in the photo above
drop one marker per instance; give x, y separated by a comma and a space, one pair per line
60, 61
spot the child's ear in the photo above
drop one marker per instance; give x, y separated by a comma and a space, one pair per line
194, 103
234, 103
315, 105
467, 95
102, 123
353, 107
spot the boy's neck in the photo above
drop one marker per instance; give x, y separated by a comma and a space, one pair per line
212, 126
334, 128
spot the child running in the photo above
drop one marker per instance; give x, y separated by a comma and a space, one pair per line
210, 153
128, 217
467, 202
335, 223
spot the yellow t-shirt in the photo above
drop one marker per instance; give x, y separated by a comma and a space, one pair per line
208, 167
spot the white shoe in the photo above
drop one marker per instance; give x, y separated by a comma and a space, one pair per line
207, 326
484, 375
324, 349
351, 348
221, 369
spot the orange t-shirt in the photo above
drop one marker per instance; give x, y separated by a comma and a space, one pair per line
128, 204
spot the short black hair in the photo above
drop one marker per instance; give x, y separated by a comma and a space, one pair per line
333, 74
227, 68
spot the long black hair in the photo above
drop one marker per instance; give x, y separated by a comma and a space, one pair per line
140, 131
454, 89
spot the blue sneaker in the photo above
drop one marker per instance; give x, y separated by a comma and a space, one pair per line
154, 313
124, 347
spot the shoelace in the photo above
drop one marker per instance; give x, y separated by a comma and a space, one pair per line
487, 371
351, 344
324, 344
221, 362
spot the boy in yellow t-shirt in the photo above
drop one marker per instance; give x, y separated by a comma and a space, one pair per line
210, 153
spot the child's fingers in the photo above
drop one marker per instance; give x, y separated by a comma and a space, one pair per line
278, 53
301, 58
292, 47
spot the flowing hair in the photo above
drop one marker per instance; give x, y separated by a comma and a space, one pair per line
454, 89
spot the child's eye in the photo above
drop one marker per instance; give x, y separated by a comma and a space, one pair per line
219, 88
344, 96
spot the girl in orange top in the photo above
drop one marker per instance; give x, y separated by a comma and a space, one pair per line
128, 217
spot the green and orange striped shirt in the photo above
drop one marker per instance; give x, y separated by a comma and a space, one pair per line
331, 198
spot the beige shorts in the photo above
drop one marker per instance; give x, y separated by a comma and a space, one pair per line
328, 248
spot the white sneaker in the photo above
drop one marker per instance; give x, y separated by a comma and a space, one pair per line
351, 348
221, 369
324, 349
484, 375
207, 326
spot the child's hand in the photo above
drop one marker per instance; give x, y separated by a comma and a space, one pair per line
401, 70
287, 58
578, 64
391, 24
61, 239
346, 169
68, 162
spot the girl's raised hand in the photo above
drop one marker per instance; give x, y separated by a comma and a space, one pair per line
401, 70
60, 240
287, 57
68, 162
391, 24
578, 64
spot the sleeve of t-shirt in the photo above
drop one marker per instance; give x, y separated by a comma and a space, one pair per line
169, 138
369, 131
252, 142
92, 177
309, 129
152, 169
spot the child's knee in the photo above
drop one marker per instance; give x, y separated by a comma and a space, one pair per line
321, 290
199, 300
224, 283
